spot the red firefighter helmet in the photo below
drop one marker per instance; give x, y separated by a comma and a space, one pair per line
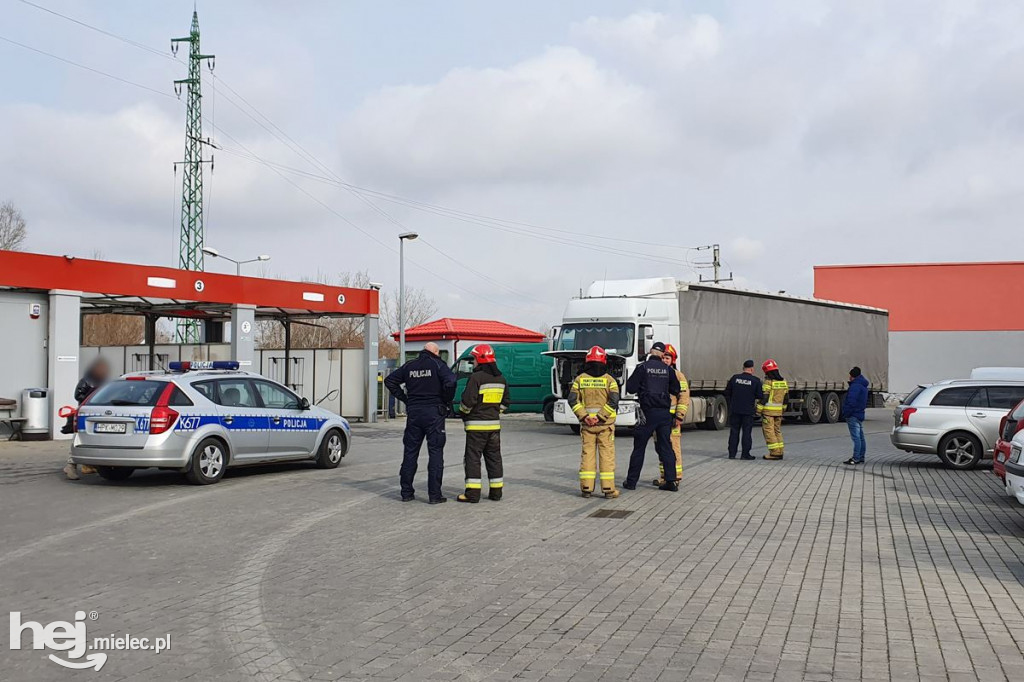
769, 365
597, 354
670, 351
483, 354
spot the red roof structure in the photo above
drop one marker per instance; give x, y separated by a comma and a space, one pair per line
457, 329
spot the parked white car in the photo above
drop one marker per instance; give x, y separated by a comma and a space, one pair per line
1015, 468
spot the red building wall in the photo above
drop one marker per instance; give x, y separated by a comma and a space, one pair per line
933, 296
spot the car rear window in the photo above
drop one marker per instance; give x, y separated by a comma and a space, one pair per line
128, 393
909, 400
954, 397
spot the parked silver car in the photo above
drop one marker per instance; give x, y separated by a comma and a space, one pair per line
202, 422
958, 420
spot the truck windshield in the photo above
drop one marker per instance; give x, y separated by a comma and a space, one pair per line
614, 338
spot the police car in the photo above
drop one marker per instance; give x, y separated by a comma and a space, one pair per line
201, 418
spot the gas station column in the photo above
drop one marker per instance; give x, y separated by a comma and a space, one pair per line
243, 330
371, 348
63, 347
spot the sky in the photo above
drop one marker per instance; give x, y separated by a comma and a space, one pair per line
534, 146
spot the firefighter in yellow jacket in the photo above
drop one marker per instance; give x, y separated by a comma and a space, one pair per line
680, 405
594, 398
771, 407
483, 401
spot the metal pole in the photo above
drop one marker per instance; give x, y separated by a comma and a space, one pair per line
401, 301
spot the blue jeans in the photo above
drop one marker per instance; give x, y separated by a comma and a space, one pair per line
860, 445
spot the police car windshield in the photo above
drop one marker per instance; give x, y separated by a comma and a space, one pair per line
120, 393
614, 338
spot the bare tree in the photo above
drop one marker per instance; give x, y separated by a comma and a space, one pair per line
105, 329
419, 307
12, 227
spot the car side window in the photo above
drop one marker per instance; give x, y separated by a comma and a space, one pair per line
276, 397
178, 398
1005, 397
954, 397
208, 389
980, 399
235, 393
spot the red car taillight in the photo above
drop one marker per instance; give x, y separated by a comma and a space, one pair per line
905, 415
162, 418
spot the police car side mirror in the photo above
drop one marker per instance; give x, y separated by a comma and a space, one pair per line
303, 404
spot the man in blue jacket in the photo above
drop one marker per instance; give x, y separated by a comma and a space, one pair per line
853, 409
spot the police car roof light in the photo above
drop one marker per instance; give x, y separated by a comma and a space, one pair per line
191, 366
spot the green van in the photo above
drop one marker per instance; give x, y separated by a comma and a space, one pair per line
527, 371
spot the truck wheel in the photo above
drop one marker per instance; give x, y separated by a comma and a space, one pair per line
718, 414
549, 411
575, 428
833, 407
813, 407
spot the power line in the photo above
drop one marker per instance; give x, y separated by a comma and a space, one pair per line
128, 41
86, 68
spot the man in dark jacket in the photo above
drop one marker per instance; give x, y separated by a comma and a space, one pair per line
742, 393
654, 383
97, 374
427, 386
482, 404
853, 409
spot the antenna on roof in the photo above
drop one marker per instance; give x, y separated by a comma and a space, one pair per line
716, 263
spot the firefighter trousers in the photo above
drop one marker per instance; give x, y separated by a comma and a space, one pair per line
486, 444
597, 439
772, 427
677, 448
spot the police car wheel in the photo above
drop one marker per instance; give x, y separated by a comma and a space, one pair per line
114, 473
332, 449
209, 460
575, 428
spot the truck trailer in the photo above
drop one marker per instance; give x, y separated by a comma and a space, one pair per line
716, 328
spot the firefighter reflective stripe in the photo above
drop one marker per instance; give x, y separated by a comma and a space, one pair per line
588, 475
592, 382
676, 431
489, 425
683, 385
593, 410
672, 409
492, 393
496, 482
473, 484
609, 409
776, 446
606, 475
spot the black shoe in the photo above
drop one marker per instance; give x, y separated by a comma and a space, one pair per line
672, 486
732, 456
585, 493
747, 457
852, 461
462, 498
408, 498
437, 500
628, 486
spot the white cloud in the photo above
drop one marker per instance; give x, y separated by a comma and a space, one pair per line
557, 117
653, 37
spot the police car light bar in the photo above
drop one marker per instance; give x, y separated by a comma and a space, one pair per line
215, 364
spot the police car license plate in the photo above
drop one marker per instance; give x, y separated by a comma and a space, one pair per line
110, 427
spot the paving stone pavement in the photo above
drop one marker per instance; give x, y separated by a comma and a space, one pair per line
800, 569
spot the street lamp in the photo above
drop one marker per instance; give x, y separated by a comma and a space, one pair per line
214, 253
401, 293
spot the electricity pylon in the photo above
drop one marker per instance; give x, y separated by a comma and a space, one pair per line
190, 250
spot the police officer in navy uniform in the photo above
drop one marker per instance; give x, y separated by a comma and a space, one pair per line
742, 392
654, 383
427, 386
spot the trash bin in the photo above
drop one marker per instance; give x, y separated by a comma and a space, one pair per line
35, 409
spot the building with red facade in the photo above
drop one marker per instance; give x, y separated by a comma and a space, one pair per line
944, 318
